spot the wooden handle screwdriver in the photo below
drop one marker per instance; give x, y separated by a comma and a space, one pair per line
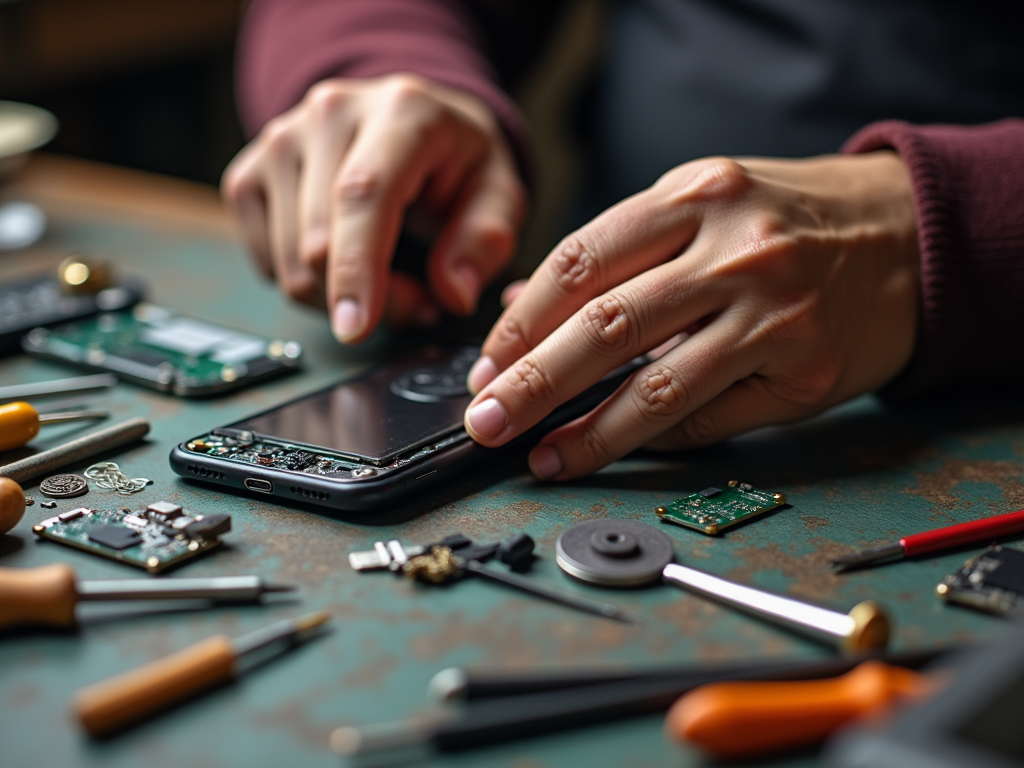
47, 596
114, 704
738, 720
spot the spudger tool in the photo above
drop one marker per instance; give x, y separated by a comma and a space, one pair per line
20, 422
521, 716
113, 704
47, 596
936, 540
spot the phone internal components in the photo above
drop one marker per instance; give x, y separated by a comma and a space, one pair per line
156, 347
156, 537
715, 509
992, 581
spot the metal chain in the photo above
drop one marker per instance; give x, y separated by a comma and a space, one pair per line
107, 476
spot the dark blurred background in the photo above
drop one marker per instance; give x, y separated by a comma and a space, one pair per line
140, 83
147, 84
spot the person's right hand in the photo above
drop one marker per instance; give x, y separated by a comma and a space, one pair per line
322, 194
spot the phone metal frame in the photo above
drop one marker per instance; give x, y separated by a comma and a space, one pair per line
364, 494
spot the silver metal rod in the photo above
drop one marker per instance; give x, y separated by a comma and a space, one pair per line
58, 387
866, 627
64, 416
80, 449
607, 610
228, 589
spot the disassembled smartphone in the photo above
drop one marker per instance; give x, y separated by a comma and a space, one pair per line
160, 349
368, 442
43, 301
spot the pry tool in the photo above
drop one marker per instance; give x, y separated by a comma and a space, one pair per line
935, 540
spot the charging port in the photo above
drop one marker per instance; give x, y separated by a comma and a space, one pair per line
259, 484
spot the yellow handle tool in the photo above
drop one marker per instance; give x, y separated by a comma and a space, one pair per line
20, 422
738, 720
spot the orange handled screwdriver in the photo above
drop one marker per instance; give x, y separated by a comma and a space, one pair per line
737, 720
114, 704
47, 596
20, 422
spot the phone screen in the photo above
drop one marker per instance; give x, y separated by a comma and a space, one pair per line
377, 418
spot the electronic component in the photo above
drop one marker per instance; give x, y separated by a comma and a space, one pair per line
715, 509
141, 538
40, 301
161, 349
992, 581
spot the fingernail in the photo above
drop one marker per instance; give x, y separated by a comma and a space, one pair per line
466, 280
483, 372
545, 462
347, 320
487, 419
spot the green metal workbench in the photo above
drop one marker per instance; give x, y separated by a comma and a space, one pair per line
860, 475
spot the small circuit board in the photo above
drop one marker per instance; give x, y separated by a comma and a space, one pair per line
156, 537
163, 350
992, 581
246, 448
715, 509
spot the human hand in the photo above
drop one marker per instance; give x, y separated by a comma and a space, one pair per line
321, 195
791, 285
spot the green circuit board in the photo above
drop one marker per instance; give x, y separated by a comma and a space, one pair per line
715, 509
155, 538
162, 349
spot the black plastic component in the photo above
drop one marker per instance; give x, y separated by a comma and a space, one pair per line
209, 527
516, 551
114, 536
710, 493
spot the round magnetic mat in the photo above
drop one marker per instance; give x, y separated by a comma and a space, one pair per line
614, 553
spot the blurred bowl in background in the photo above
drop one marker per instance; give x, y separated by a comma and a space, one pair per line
22, 129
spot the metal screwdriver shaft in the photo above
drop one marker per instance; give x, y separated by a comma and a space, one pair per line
607, 610
864, 628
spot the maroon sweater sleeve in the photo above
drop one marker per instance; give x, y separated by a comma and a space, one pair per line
969, 192
288, 45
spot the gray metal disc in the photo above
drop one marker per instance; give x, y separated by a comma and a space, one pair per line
614, 553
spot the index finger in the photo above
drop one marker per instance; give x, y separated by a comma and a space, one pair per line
385, 170
636, 235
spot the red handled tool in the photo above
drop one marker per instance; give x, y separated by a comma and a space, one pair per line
934, 541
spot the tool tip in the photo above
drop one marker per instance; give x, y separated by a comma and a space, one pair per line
311, 620
279, 588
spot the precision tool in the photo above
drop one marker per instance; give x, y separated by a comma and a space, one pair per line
20, 422
456, 684
936, 540
626, 553
47, 596
865, 628
70, 386
441, 564
734, 720
483, 723
114, 704
76, 450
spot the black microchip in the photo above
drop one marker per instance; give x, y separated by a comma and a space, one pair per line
1009, 574
114, 536
710, 493
209, 527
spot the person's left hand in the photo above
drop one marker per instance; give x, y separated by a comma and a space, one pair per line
792, 284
